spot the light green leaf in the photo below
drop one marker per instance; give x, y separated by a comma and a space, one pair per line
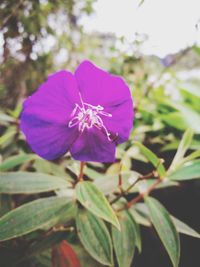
193, 155
184, 228
152, 158
190, 170
38, 214
124, 240
7, 136
138, 241
94, 200
165, 229
30, 182
95, 237
181, 227
16, 160
182, 148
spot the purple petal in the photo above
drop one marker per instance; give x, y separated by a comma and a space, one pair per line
98, 87
93, 145
45, 116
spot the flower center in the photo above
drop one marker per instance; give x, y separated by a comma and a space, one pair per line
87, 116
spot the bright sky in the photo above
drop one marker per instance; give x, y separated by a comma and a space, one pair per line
170, 24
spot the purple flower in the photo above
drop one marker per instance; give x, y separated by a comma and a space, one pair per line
86, 113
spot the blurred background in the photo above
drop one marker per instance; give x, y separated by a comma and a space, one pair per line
153, 44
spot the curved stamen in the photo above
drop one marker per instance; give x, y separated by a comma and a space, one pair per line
87, 116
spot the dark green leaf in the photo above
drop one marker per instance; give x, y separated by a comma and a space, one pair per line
165, 229
30, 182
94, 236
94, 200
41, 213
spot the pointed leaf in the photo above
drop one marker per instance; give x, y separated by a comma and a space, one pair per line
124, 240
94, 236
94, 200
165, 229
152, 158
182, 148
184, 228
16, 160
190, 170
40, 213
138, 241
30, 182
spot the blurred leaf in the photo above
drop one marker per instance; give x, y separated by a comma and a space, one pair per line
181, 227
93, 200
109, 183
124, 240
138, 241
193, 155
5, 119
7, 137
16, 160
190, 170
140, 217
184, 228
63, 255
165, 229
30, 182
84, 257
35, 215
152, 158
48, 167
182, 148
5, 204
95, 237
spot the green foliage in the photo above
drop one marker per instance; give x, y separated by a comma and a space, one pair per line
124, 240
95, 237
39, 214
165, 229
90, 197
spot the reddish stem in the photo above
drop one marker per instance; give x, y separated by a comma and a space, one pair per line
140, 196
80, 177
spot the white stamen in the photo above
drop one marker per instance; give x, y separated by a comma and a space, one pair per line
87, 116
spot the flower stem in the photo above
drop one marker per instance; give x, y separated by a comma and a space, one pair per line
80, 177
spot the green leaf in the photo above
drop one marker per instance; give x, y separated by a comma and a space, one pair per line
182, 148
181, 227
190, 170
84, 257
95, 237
152, 158
184, 228
138, 241
40, 213
7, 136
94, 200
5, 204
193, 155
30, 182
16, 160
124, 240
165, 229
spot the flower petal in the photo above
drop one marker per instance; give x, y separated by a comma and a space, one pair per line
45, 116
93, 145
98, 87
